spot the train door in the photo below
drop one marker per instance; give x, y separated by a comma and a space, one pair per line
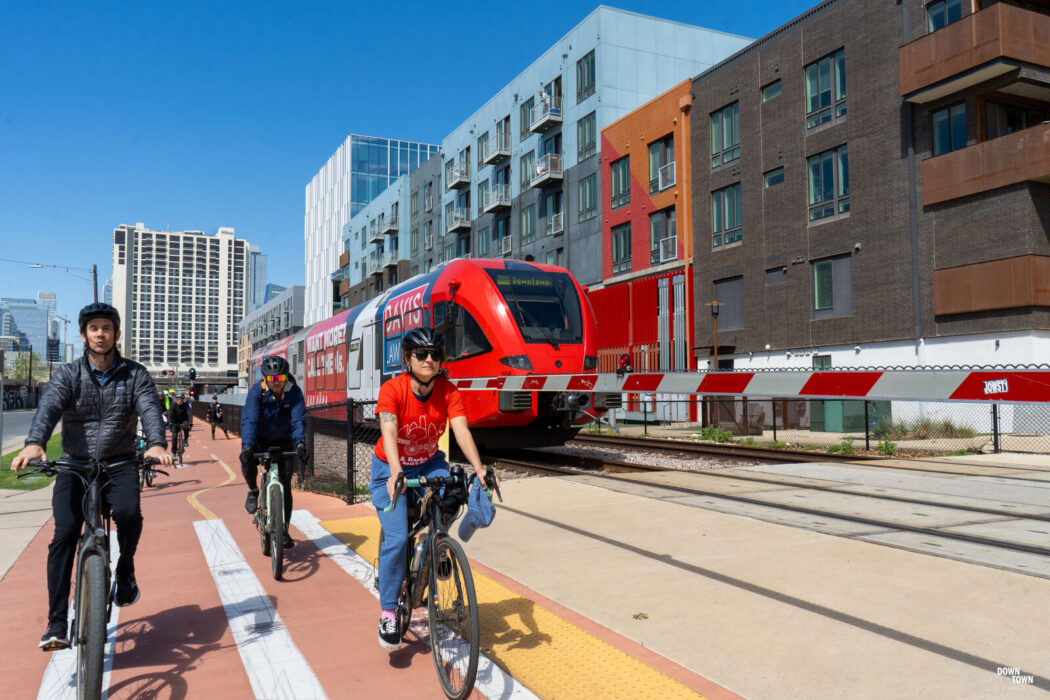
353, 365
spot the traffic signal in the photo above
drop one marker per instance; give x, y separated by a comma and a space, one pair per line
171, 373
193, 373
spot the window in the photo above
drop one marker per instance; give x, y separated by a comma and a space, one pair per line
949, 129
527, 162
450, 168
730, 291
414, 240
661, 164
414, 204
525, 118
942, 13
1003, 119
483, 147
585, 77
663, 239
621, 248
774, 177
464, 337
620, 182
586, 137
528, 224
483, 196
832, 287
589, 197
484, 240
726, 216
428, 196
829, 184
770, 91
725, 135
826, 89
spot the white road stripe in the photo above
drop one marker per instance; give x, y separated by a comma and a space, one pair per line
60, 675
492, 681
275, 666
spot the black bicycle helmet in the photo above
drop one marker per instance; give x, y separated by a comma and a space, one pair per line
99, 310
275, 364
422, 338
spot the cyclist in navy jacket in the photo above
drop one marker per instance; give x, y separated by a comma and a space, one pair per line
274, 414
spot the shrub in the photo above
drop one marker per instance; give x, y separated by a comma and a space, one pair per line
777, 444
887, 448
847, 446
922, 429
713, 433
748, 441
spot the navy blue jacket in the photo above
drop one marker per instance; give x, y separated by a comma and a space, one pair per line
265, 421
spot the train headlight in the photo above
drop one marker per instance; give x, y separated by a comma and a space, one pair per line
590, 361
517, 362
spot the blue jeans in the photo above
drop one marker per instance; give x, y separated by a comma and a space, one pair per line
394, 555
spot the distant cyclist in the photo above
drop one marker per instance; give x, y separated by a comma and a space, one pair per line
180, 420
274, 414
413, 409
215, 417
99, 399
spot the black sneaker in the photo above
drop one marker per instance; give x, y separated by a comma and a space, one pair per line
252, 502
389, 634
127, 591
55, 637
288, 541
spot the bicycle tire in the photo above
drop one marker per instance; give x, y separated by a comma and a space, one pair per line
275, 509
91, 625
453, 618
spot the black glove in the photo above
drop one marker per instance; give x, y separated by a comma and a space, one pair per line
304, 454
246, 454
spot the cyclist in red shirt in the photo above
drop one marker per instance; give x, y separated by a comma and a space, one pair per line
412, 408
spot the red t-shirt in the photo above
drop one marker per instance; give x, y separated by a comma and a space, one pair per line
419, 423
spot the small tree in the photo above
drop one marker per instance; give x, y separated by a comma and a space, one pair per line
21, 369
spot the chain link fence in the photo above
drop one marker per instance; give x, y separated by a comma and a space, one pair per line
887, 427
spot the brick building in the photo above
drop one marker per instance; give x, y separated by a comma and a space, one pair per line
871, 186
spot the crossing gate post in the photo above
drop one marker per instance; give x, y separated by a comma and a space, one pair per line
774, 402
995, 428
867, 428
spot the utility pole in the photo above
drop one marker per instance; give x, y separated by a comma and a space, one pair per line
94, 280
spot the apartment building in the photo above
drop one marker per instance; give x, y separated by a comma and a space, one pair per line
426, 241
277, 318
180, 295
646, 264
375, 249
520, 176
359, 170
871, 187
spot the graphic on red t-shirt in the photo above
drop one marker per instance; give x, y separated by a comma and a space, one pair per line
419, 423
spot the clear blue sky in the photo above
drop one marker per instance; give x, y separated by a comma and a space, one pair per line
199, 114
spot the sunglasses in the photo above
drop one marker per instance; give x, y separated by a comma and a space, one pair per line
422, 353
276, 377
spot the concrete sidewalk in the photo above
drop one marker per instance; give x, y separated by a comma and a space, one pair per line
22, 514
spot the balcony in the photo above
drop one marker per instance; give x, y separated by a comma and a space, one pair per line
555, 223
495, 198
665, 176
374, 234
344, 288
506, 245
390, 226
497, 149
390, 259
374, 267
1007, 160
1010, 283
458, 220
344, 259
546, 171
546, 114
458, 177
972, 50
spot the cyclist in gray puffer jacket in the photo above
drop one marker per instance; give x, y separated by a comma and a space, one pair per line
99, 399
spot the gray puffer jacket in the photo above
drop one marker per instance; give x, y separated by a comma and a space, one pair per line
98, 421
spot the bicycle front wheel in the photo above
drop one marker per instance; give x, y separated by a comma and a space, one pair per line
91, 625
275, 508
453, 613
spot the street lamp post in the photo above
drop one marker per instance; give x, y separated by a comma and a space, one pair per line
69, 270
714, 304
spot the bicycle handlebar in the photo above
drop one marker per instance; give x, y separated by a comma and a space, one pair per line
437, 482
51, 467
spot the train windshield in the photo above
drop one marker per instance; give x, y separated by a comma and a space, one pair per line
545, 305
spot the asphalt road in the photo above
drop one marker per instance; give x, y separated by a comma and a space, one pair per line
16, 427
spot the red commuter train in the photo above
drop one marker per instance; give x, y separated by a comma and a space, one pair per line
499, 317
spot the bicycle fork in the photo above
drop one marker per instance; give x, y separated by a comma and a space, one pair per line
94, 542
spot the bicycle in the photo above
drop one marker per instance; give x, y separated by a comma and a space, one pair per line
146, 474
269, 514
94, 588
438, 564
178, 443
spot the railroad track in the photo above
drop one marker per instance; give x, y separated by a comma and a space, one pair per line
734, 451
574, 466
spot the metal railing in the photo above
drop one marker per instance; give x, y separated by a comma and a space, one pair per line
459, 217
555, 223
546, 168
496, 148
666, 176
506, 245
495, 197
546, 113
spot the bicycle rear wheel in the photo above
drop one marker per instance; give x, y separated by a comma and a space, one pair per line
91, 625
453, 614
275, 508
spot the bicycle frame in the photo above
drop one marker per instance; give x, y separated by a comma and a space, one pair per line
271, 532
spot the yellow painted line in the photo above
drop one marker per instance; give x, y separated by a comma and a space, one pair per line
551, 656
192, 498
